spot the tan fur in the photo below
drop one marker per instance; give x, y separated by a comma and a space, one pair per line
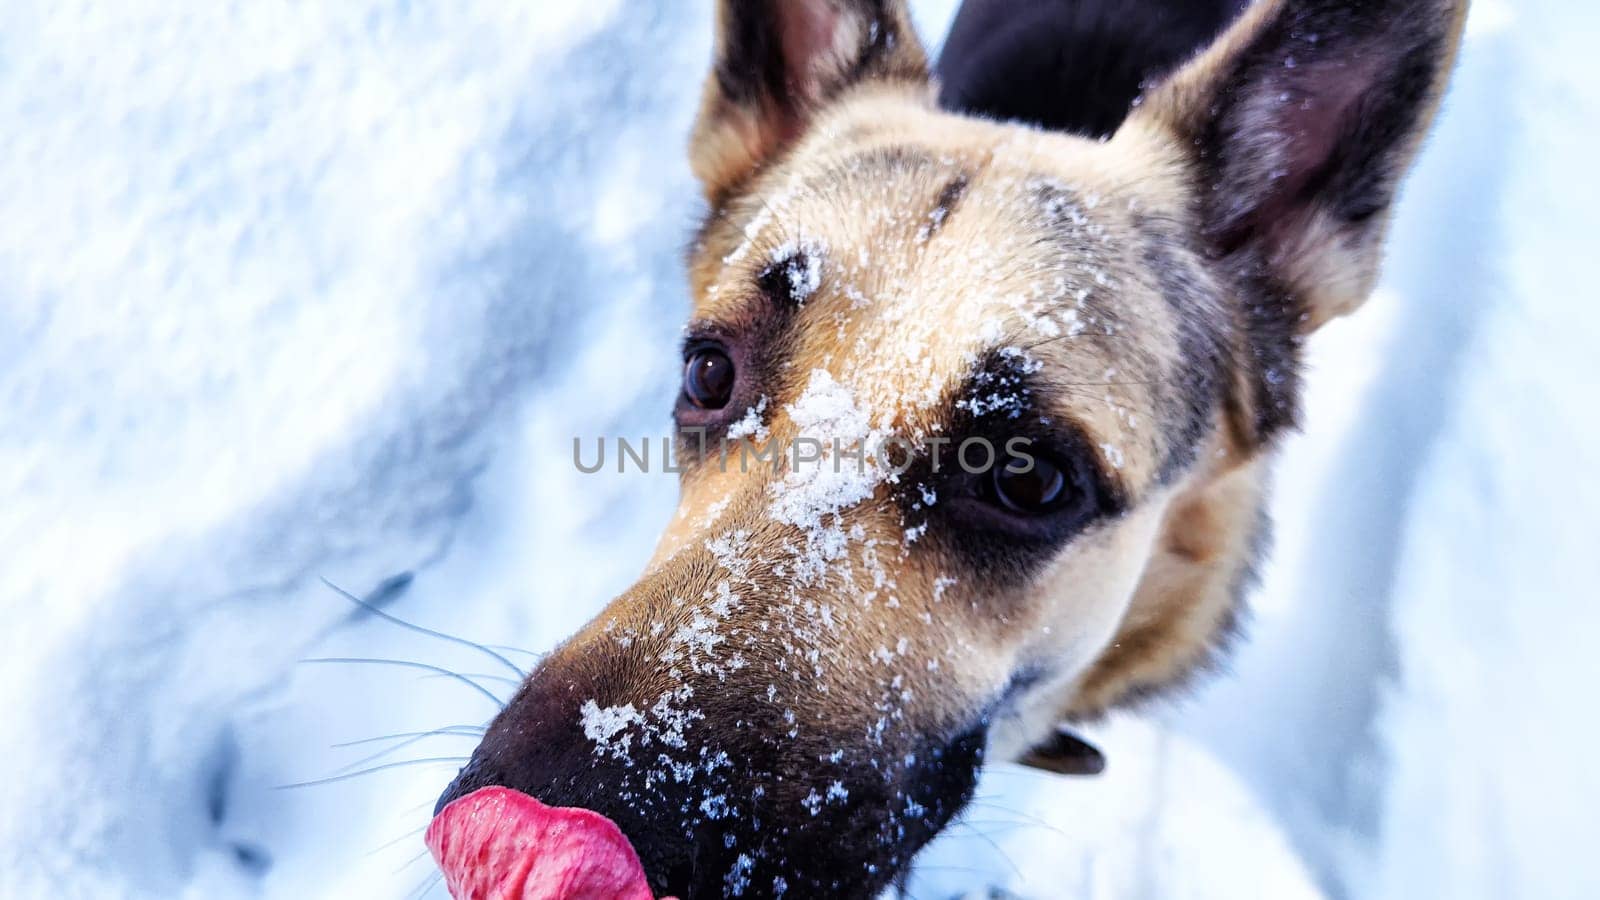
1189, 592
902, 354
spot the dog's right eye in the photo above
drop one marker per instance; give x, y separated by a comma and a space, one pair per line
708, 378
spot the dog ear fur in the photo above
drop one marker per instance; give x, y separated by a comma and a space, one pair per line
778, 62
1300, 121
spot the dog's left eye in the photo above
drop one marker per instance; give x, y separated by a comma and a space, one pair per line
708, 378
1043, 488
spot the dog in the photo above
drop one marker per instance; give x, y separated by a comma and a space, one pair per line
1098, 241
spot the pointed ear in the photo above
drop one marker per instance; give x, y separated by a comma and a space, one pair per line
1300, 121
778, 62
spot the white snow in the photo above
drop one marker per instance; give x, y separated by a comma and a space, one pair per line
751, 425
604, 724
801, 262
833, 468
293, 290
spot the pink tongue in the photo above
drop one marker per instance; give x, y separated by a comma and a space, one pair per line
499, 844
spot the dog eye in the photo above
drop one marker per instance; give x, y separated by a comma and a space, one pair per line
1042, 489
708, 378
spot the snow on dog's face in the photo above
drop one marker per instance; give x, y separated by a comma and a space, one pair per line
972, 420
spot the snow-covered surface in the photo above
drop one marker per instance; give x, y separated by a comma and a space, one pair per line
302, 290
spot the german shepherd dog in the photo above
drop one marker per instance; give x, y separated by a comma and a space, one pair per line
1107, 233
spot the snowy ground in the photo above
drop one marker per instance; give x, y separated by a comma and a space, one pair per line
300, 290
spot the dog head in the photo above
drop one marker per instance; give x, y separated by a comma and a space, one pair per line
972, 426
